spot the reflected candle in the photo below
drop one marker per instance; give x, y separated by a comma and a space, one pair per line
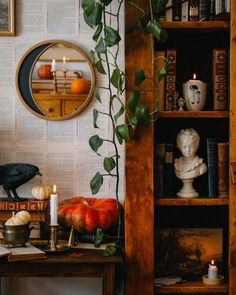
64, 64
53, 206
212, 271
53, 68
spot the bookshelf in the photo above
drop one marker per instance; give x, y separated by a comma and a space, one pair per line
144, 212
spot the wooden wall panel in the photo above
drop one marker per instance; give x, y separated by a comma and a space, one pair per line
232, 225
139, 201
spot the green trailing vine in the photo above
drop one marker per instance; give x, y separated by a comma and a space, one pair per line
105, 59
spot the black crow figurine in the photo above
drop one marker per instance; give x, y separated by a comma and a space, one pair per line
14, 175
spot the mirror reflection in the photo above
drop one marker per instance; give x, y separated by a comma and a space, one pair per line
61, 80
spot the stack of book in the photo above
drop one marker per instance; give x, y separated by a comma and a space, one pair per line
197, 10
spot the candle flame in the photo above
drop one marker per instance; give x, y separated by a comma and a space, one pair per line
212, 262
194, 76
64, 58
54, 189
53, 60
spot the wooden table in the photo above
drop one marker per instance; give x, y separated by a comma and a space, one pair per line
87, 265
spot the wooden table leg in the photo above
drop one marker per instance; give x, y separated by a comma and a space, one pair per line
109, 279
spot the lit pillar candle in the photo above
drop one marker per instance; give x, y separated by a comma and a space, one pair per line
54, 206
64, 64
53, 68
212, 271
194, 93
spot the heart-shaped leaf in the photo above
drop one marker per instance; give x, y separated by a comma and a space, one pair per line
142, 114
133, 100
96, 94
119, 113
106, 2
109, 164
112, 36
154, 28
94, 18
100, 68
162, 72
110, 250
100, 47
123, 131
95, 117
98, 237
88, 6
95, 142
159, 5
115, 78
139, 77
96, 183
97, 32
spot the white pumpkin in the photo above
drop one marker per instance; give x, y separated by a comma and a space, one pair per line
41, 191
22, 217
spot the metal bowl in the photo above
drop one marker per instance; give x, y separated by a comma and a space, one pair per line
16, 235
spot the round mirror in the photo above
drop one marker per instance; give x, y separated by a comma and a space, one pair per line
55, 80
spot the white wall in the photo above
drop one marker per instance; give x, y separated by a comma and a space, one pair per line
26, 138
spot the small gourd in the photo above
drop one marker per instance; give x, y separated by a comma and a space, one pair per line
41, 191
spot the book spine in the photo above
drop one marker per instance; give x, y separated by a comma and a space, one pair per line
223, 169
212, 167
160, 159
227, 6
169, 11
193, 10
176, 10
220, 79
212, 9
160, 61
170, 79
168, 170
204, 9
185, 10
37, 206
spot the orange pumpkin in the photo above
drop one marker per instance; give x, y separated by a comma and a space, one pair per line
79, 85
44, 71
86, 214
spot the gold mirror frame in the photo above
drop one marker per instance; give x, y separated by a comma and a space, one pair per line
24, 74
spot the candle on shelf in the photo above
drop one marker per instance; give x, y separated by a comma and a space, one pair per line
53, 206
212, 271
64, 64
53, 68
194, 92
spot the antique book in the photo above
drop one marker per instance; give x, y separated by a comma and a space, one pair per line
212, 9
223, 169
170, 79
30, 205
159, 171
176, 10
204, 9
193, 10
169, 11
29, 252
220, 79
159, 60
185, 11
168, 173
212, 167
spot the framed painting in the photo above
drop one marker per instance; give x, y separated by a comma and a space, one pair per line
187, 252
7, 17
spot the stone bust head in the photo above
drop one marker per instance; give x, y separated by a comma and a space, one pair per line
188, 166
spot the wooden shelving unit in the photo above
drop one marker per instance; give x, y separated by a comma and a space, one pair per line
200, 201
192, 288
192, 114
140, 203
199, 25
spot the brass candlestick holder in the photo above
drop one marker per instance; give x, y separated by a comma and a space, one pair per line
64, 81
53, 237
54, 82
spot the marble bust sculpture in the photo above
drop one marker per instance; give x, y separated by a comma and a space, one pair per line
189, 165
